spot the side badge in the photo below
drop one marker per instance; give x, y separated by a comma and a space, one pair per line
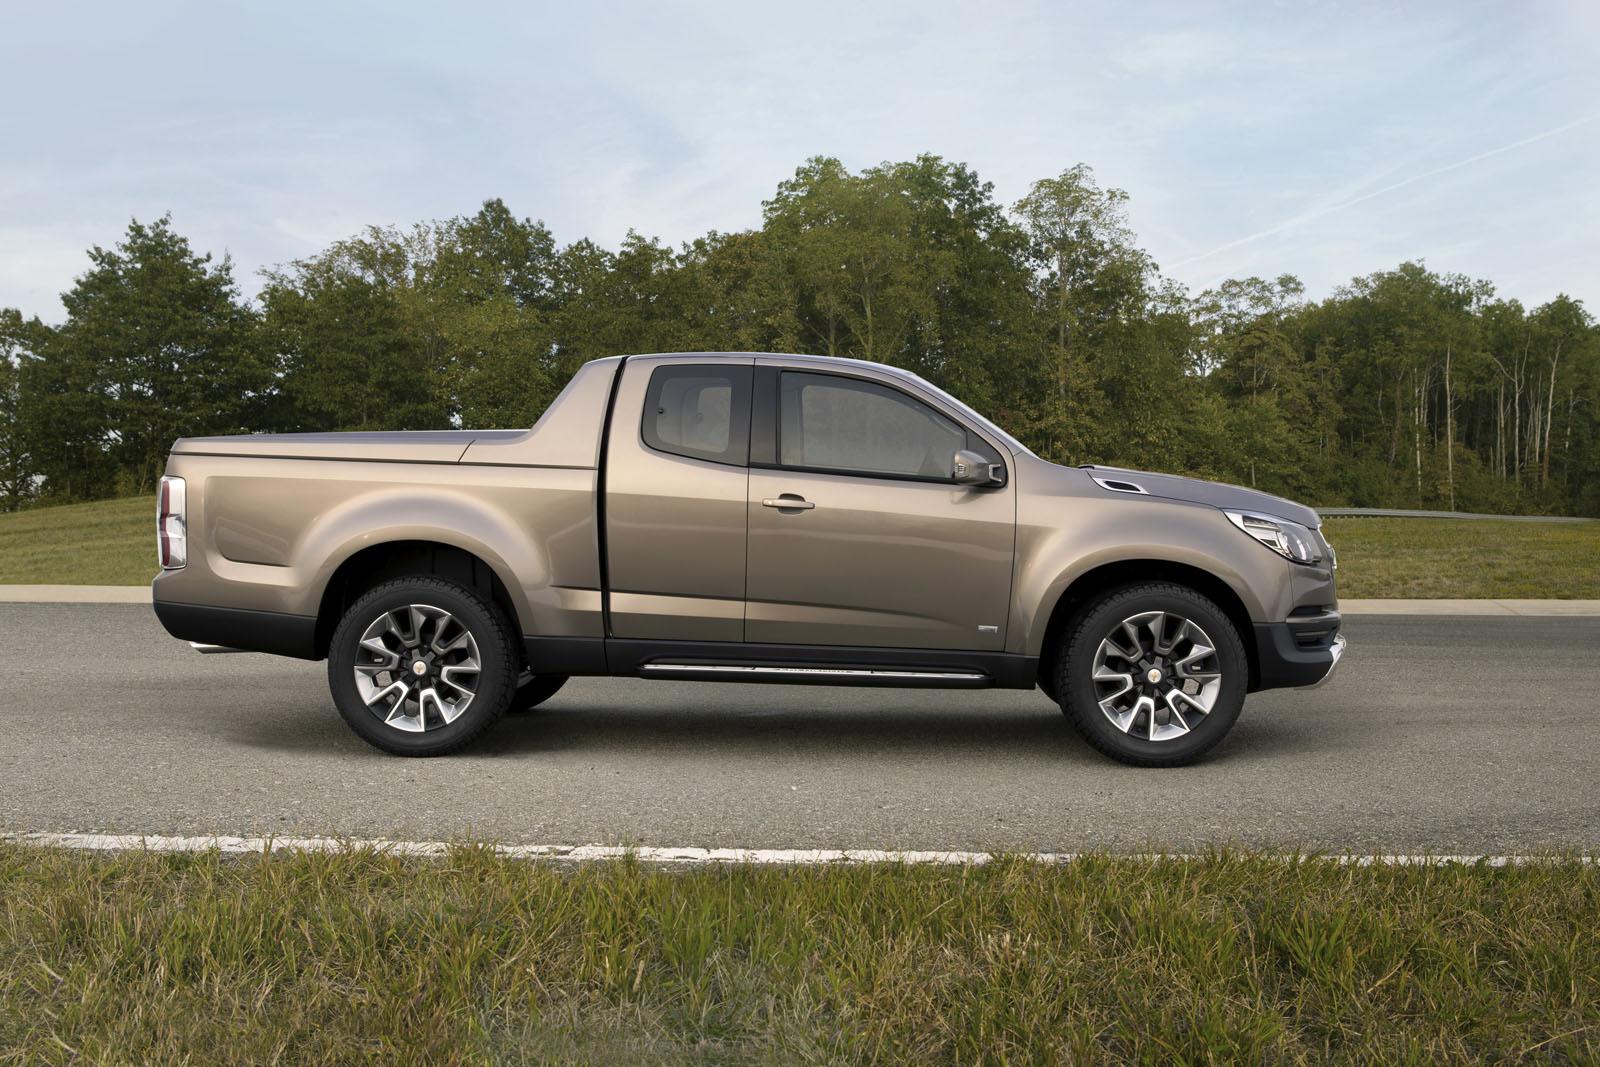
988, 629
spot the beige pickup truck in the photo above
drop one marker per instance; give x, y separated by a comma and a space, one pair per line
741, 517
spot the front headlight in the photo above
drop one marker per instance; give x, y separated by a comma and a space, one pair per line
1288, 539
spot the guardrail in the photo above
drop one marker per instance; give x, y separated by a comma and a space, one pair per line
1402, 513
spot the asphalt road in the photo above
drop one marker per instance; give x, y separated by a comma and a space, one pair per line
1438, 735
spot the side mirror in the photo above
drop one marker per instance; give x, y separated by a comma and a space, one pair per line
973, 468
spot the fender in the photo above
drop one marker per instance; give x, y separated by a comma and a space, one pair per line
440, 515
1050, 560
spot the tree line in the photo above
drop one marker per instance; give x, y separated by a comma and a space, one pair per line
1406, 387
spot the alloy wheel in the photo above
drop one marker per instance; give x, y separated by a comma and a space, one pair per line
1157, 675
417, 668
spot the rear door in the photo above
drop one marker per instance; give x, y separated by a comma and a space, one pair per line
674, 497
858, 534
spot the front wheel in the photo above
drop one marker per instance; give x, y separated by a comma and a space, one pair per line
1152, 674
422, 666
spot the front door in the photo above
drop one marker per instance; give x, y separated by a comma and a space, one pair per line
857, 533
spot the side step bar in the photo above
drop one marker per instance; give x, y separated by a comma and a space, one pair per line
755, 672
213, 650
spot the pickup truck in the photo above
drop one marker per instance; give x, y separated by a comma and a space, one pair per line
741, 517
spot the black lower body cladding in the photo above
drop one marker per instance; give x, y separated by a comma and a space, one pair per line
1295, 653
246, 630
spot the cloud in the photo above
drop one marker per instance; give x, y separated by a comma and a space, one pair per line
1342, 205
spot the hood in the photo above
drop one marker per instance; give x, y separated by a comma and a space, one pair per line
1196, 491
402, 446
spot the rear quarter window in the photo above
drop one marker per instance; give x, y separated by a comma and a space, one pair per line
702, 412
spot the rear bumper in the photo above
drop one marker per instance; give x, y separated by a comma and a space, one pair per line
1299, 653
242, 629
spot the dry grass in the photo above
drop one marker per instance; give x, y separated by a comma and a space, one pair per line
334, 958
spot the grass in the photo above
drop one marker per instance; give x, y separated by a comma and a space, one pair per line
112, 543
360, 956
108, 542
1432, 558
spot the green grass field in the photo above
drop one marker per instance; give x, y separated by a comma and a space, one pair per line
109, 542
334, 958
1426, 558
113, 543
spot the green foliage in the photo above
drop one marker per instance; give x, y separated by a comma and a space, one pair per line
16, 460
1405, 387
156, 345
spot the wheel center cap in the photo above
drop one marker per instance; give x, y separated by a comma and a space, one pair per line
1153, 676
419, 668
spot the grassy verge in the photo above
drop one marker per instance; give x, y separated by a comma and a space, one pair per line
112, 543
1426, 558
109, 542
329, 958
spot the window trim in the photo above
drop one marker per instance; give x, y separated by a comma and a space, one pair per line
740, 409
765, 431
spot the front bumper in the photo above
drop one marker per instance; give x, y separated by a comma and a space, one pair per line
1338, 653
1299, 653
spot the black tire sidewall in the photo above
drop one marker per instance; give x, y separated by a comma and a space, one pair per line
1081, 700
497, 656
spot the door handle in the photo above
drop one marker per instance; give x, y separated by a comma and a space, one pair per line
788, 500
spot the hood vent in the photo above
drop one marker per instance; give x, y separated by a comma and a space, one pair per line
1117, 485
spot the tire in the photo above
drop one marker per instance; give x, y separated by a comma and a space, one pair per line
421, 620
1170, 730
535, 691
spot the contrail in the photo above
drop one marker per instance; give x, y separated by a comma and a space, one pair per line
1331, 208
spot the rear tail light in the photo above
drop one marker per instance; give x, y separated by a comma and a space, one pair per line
172, 543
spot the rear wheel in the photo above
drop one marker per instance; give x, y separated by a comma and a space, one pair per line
422, 666
1152, 674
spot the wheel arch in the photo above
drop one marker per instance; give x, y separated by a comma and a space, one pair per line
1085, 588
401, 558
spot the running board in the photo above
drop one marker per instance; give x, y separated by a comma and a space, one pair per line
768, 672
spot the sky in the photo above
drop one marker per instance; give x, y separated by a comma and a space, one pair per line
1325, 139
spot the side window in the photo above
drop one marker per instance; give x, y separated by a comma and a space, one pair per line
831, 423
702, 412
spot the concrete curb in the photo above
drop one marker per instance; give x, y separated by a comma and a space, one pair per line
140, 594
74, 594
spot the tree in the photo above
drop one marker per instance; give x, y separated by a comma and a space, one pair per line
1091, 283
346, 356
156, 345
1404, 387
16, 459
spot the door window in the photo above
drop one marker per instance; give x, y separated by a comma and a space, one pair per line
830, 423
699, 411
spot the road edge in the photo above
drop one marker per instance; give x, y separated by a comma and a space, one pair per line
696, 856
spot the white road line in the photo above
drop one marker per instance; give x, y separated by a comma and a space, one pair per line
686, 855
